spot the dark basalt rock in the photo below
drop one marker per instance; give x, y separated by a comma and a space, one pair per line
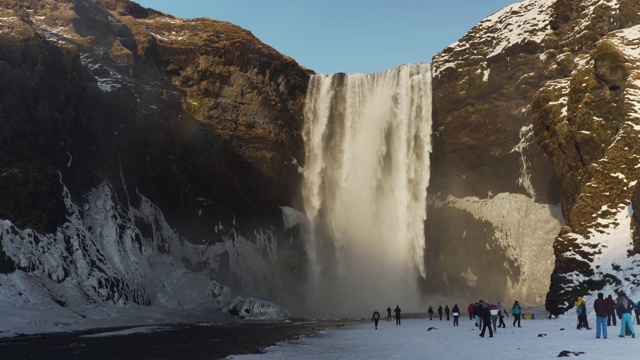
567, 353
205, 124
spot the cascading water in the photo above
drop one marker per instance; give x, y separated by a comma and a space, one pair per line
367, 144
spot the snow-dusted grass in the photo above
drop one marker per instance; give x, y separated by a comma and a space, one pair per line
412, 340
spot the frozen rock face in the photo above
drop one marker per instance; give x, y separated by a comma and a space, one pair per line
535, 114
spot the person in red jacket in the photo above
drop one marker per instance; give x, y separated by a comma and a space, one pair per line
600, 306
470, 310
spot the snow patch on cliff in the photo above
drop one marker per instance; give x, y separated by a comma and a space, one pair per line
628, 41
589, 12
526, 139
609, 247
525, 21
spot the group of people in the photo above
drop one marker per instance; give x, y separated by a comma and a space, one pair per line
376, 316
454, 311
491, 316
486, 315
606, 311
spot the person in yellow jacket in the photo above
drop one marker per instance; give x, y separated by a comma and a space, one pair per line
582, 314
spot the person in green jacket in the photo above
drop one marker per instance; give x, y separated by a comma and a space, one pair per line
516, 311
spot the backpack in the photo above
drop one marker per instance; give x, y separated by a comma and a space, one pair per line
515, 310
582, 308
623, 306
610, 306
493, 310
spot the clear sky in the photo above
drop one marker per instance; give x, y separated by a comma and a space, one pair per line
355, 36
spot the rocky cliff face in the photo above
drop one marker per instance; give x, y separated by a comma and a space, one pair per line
198, 115
537, 106
125, 128
132, 141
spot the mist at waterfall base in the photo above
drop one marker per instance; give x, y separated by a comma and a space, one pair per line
367, 145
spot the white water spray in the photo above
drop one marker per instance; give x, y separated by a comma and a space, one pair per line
367, 144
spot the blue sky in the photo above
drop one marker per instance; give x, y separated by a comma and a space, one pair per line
354, 36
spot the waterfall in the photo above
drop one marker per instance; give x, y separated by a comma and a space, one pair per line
367, 145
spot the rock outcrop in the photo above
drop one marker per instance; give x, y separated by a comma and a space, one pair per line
144, 158
538, 100
197, 115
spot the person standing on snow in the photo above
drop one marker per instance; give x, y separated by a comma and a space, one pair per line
582, 315
502, 310
447, 311
493, 310
477, 313
397, 311
486, 319
611, 311
578, 305
456, 314
375, 318
430, 312
600, 306
624, 307
516, 311
440, 311
470, 309
389, 313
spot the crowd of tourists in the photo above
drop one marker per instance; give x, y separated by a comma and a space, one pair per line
489, 317
607, 311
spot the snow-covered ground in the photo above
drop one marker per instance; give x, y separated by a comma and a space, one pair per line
537, 339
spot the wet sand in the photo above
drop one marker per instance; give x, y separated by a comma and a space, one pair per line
178, 342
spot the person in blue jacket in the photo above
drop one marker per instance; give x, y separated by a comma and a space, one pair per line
516, 311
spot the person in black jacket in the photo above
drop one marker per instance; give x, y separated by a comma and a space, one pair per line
456, 314
389, 313
486, 319
397, 311
600, 306
375, 318
440, 311
477, 313
447, 311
